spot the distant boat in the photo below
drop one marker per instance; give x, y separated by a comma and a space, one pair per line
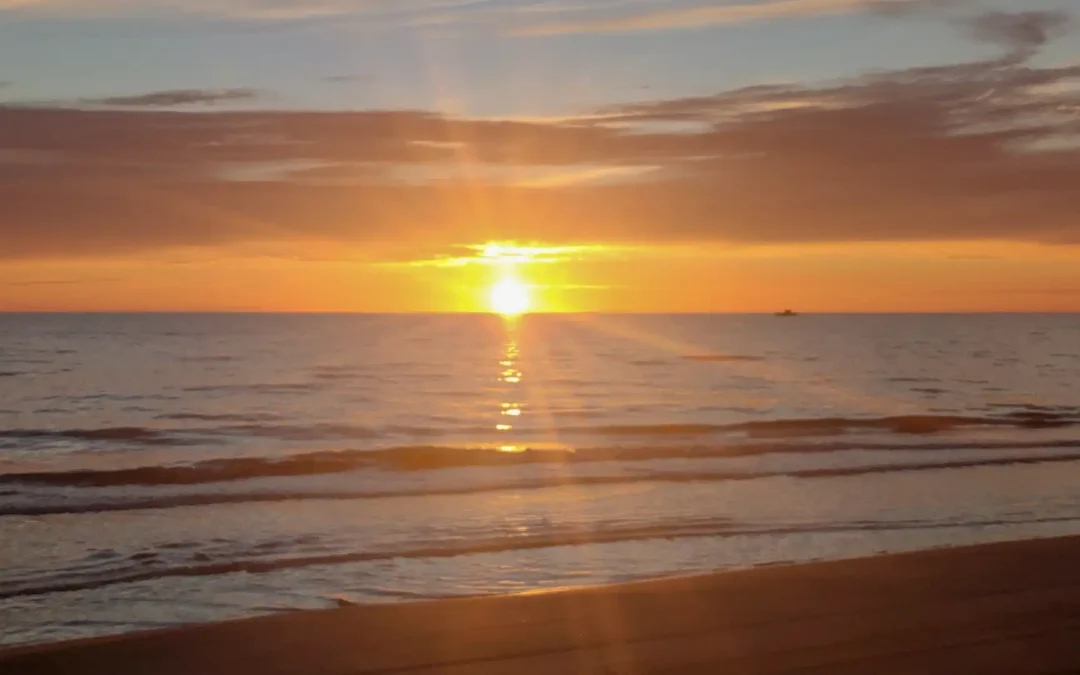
786, 312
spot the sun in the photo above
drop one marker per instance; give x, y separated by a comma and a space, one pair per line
509, 297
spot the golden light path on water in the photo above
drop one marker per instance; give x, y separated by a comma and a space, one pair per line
511, 375
509, 295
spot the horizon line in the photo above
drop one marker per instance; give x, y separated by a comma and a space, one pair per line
137, 312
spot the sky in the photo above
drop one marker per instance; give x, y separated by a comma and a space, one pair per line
601, 155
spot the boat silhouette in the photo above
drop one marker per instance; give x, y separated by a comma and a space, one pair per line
786, 312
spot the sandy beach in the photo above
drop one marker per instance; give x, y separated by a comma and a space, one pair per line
1000, 608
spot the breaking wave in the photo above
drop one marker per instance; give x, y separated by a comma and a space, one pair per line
357, 461
159, 564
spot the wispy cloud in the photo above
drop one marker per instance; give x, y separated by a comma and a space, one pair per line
524, 16
282, 10
346, 79
1021, 33
711, 14
588, 175
177, 97
250, 8
497, 254
961, 152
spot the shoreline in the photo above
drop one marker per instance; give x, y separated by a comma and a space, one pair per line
1009, 607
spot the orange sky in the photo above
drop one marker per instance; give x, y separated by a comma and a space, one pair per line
836, 278
936, 172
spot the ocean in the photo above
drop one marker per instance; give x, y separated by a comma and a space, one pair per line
158, 470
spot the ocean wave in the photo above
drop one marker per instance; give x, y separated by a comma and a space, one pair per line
301, 432
429, 457
343, 376
1035, 408
293, 388
151, 565
267, 426
221, 417
248, 426
723, 358
68, 503
208, 359
899, 424
139, 435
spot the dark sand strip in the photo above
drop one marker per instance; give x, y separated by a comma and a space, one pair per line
996, 609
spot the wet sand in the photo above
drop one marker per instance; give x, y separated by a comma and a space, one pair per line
999, 608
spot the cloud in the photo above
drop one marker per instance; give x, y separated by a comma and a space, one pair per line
345, 79
889, 8
554, 16
972, 151
525, 17
283, 9
261, 10
665, 17
399, 136
177, 97
1021, 33
498, 254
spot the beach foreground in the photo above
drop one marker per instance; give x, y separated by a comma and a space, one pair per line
1000, 608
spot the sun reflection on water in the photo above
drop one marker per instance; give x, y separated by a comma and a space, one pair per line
510, 374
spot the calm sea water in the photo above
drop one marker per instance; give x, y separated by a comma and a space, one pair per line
163, 469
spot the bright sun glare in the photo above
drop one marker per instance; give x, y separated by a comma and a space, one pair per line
509, 297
